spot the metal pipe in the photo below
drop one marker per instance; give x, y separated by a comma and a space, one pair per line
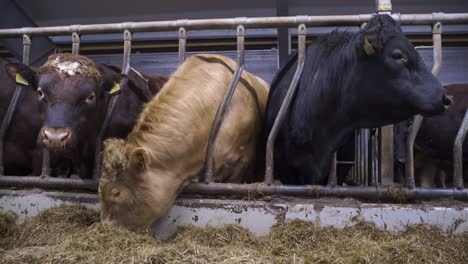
301, 32
258, 189
229, 23
417, 121
458, 153
182, 44
316, 191
13, 102
48, 183
220, 113
75, 43
332, 180
127, 35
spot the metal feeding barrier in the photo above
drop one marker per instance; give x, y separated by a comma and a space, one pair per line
369, 146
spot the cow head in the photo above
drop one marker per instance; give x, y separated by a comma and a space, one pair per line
132, 192
395, 83
71, 90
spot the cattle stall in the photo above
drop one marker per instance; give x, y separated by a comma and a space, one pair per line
372, 167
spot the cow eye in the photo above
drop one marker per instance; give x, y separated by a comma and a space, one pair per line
40, 93
397, 54
91, 98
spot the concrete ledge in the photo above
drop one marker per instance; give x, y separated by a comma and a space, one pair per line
259, 216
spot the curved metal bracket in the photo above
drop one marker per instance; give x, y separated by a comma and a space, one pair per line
75, 43
209, 159
285, 105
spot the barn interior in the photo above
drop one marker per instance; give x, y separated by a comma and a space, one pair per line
222, 223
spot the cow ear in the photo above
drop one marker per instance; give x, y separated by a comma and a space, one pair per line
139, 159
121, 81
370, 43
21, 74
140, 85
112, 79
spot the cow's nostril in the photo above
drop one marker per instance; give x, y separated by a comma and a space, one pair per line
447, 100
63, 136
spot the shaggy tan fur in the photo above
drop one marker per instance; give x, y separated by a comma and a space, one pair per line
166, 149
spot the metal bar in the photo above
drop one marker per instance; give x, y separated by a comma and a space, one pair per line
127, 35
373, 193
332, 180
75, 43
417, 121
229, 23
284, 39
259, 189
48, 183
13, 102
182, 44
458, 153
301, 32
220, 113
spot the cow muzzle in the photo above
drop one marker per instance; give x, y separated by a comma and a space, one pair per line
56, 139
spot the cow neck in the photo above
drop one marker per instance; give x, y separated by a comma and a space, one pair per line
326, 120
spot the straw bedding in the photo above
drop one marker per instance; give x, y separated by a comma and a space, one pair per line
72, 234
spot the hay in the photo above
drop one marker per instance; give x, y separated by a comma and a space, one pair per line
72, 234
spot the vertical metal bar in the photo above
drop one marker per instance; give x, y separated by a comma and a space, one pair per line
332, 180
458, 153
182, 44
417, 121
284, 39
75, 43
209, 159
366, 156
13, 102
285, 105
112, 102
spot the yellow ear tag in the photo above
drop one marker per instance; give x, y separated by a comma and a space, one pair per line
21, 80
115, 88
368, 47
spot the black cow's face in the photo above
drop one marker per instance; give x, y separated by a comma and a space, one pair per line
70, 106
396, 82
71, 95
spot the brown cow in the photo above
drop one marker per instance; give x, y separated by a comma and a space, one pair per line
20, 151
72, 94
142, 176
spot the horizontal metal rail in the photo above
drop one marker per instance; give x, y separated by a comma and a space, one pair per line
259, 189
230, 23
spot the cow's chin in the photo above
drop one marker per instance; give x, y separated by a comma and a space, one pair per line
63, 149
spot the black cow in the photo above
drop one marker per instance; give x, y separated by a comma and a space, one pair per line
71, 92
351, 80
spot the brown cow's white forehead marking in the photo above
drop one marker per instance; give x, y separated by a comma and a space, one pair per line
70, 68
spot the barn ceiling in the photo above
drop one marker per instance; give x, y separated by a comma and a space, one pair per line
59, 12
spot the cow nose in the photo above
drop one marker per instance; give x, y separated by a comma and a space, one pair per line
447, 101
57, 135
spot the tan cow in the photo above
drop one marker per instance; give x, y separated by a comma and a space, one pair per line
165, 151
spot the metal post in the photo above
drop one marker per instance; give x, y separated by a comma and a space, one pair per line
301, 32
75, 43
13, 102
332, 180
182, 44
458, 153
110, 107
417, 121
209, 159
